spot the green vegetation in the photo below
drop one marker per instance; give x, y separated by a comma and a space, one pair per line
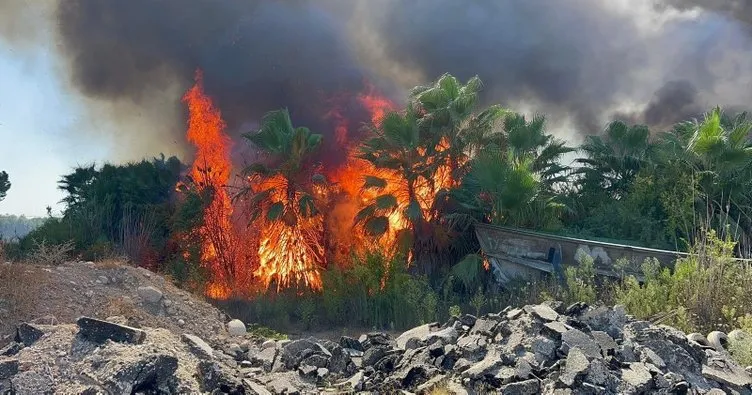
4, 185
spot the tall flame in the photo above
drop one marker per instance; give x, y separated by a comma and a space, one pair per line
210, 172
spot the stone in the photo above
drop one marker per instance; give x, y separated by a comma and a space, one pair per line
236, 328
484, 327
445, 336
32, 382
605, 341
268, 344
373, 355
556, 328
527, 387
340, 362
132, 371
718, 340
181, 322
213, 376
349, 342
264, 359
297, 350
307, 370
486, 366
253, 388
316, 360
234, 349
197, 346
649, 356
420, 333
514, 314
636, 379
8, 368
27, 334
544, 349
99, 331
11, 349
376, 339
699, 339
355, 382
543, 312
468, 319
576, 366
103, 280
730, 374
576, 338
150, 294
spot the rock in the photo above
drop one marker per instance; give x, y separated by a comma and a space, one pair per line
513, 314
484, 327
99, 331
340, 362
234, 349
27, 334
468, 319
181, 322
316, 360
729, 374
420, 333
32, 382
485, 367
214, 377
445, 336
198, 346
576, 338
103, 280
718, 340
264, 359
297, 350
253, 388
699, 339
150, 294
8, 368
236, 328
353, 344
130, 372
355, 382
527, 387
636, 379
605, 341
11, 349
576, 366
373, 355
268, 344
376, 339
307, 370
556, 328
543, 312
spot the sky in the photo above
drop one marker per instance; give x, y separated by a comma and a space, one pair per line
36, 113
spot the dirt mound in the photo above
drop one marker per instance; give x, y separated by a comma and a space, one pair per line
112, 289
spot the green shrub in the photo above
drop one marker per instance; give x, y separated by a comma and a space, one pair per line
707, 290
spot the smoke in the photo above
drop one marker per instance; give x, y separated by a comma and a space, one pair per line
582, 62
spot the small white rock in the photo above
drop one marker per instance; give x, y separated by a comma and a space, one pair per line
236, 328
268, 344
181, 322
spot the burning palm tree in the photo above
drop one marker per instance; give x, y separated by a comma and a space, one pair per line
285, 196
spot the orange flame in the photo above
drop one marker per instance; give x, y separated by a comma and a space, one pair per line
211, 172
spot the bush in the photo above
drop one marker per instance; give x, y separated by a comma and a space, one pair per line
50, 254
708, 290
375, 292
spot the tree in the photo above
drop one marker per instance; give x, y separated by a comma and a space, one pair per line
397, 150
612, 161
4, 185
449, 113
282, 194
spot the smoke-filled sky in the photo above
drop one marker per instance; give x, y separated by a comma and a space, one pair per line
95, 80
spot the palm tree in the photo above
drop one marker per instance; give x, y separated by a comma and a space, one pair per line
453, 123
282, 189
395, 150
529, 139
613, 161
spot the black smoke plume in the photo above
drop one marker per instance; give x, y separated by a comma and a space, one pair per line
582, 62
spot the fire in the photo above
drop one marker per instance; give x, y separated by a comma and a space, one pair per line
210, 173
291, 250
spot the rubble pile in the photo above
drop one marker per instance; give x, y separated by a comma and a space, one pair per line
547, 348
